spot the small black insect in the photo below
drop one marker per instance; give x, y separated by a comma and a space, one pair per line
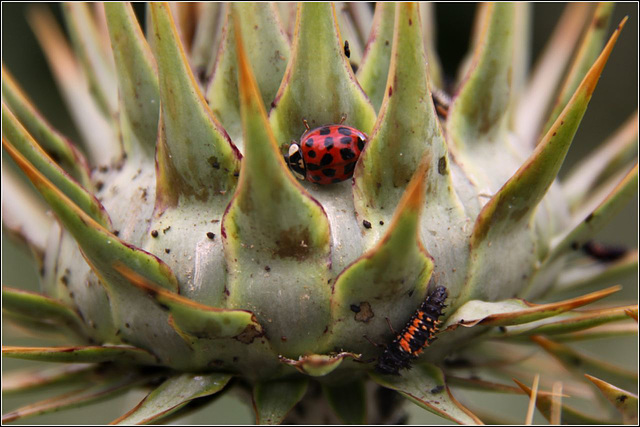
604, 253
417, 334
347, 51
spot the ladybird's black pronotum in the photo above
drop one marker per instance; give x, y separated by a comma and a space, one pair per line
417, 334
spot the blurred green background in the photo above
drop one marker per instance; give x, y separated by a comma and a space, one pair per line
613, 101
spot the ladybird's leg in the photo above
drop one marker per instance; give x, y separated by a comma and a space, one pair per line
374, 343
391, 327
343, 118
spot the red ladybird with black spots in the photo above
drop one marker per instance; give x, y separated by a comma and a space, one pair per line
326, 154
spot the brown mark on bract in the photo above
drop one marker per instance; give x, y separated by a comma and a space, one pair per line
365, 313
249, 334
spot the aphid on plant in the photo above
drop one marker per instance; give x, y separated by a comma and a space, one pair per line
417, 334
347, 51
604, 253
326, 154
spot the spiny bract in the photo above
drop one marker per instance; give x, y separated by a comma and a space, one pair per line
183, 254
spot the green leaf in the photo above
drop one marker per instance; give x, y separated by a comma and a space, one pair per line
268, 51
17, 141
196, 159
604, 162
388, 281
20, 381
96, 130
103, 390
374, 68
570, 322
624, 401
585, 273
54, 144
599, 217
192, 318
318, 84
137, 79
97, 66
276, 237
408, 131
429, 27
80, 354
23, 212
348, 400
580, 363
42, 308
587, 53
547, 72
318, 365
517, 311
425, 386
506, 218
272, 400
207, 38
479, 111
133, 313
174, 393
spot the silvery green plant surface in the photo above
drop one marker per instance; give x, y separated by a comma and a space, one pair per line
183, 257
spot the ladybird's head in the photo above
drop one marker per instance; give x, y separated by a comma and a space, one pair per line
296, 161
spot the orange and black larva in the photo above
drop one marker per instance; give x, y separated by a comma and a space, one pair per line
417, 334
326, 154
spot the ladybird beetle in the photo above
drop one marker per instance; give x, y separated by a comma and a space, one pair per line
417, 334
326, 154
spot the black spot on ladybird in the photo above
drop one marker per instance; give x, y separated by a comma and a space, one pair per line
312, 154
348, 168
360, 143
336, 180
328, 143
329, 172
347, 153
344, 131
309, 142
325, 131
315, 177
313, 167
345, 140
327, 159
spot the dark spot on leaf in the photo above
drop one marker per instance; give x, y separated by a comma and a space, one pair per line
116, 233
442, 166
164, 230
167, 250
410, 21
622, 398
437, 389
210, 235
381, 222
347, 51
390, 91
283, 338
126, 325
267, 268
575, 246
365, 314
502, 329
99, 185
366, 223
154, 233
589, 218
355, 308
249, 334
